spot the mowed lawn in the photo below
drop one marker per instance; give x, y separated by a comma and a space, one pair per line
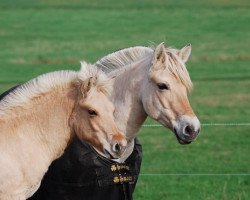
42, 36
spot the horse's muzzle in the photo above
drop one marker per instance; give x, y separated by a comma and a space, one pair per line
186, 129
116, 149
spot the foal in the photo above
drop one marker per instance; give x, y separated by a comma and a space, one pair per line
39, 119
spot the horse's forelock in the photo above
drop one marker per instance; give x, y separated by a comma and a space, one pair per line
178, 68
101, 81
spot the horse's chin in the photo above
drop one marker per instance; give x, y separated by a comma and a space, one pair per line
105, 153
183, 142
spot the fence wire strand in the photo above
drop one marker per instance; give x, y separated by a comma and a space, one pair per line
201, 174
239, 174
206, 124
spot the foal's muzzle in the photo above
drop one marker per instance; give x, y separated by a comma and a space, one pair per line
116, 149
119, 147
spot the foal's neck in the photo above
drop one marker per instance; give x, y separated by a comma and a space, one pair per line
130, 113
45, 121
57, 130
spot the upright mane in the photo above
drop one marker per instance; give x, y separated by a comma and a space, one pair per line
128, 56
123, 58
42, 84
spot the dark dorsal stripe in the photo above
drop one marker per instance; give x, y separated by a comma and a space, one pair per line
8, 91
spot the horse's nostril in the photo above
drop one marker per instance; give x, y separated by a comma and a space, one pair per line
189, 130
117, 147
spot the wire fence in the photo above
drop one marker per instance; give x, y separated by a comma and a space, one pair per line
206, 124
199, 174
195, 174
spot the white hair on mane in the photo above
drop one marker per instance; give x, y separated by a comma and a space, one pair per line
123, 58
88, 71
102, 82
47, 82
126, 57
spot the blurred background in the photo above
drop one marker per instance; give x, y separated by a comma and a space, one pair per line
39, 36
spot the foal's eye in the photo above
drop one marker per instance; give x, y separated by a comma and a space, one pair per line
92, 112
163, 86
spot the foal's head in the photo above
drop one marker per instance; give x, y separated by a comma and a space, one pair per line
92, 117
166, 98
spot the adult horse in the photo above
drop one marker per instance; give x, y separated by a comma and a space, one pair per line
151, 82
40, 118
148, 81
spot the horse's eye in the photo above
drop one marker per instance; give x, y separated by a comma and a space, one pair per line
163, 86
92, 112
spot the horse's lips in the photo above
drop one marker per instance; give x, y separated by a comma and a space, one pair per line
179, 139
176, 135
109, 155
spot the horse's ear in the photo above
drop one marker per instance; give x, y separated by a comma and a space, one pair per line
159, 57
87, 85
185, 53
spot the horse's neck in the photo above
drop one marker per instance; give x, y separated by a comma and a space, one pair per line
130, 113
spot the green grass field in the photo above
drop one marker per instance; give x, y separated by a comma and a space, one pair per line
41, 36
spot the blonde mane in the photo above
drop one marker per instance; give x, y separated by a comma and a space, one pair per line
126, 57
123, 58
42, 84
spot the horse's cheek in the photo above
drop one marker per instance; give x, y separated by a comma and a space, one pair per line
151, 106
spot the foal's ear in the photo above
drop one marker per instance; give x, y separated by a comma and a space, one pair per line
159, 57
185, 53
87, 85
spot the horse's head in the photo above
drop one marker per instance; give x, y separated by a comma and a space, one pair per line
165, 93
92, 117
